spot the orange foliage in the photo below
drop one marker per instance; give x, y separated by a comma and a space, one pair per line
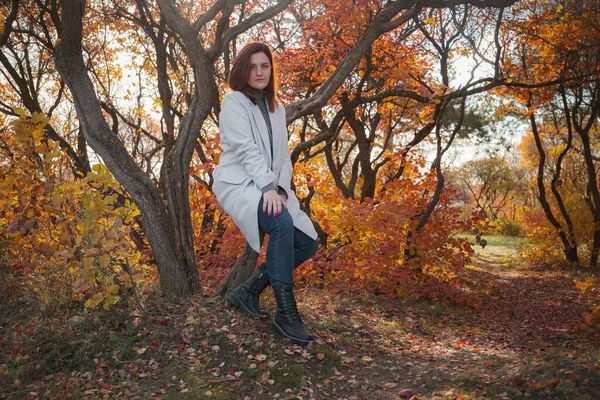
367, 240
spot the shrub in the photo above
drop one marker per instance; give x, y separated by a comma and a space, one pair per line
506, 227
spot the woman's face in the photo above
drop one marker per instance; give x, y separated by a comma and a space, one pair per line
260, 71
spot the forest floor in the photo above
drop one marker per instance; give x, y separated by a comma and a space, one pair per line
524, 341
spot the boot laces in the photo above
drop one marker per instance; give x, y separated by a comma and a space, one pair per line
290, 308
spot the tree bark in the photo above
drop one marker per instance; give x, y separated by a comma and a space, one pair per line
571, 253
241, 271
567, 247
68, 58
584, 134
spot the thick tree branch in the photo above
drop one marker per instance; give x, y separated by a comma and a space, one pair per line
210, 14
222, 41
12, 16
476, 3
376, 28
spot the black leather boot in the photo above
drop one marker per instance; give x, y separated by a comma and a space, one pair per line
247, 294
287, 323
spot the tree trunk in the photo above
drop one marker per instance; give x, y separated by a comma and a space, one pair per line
175, 178
241, 271
568, 249
571, 253
593, 189
175, 278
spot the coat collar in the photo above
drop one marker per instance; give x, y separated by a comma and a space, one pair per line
262, 127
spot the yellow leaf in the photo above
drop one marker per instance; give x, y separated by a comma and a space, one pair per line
104, 260
94, 301
113, 289
109, 245
110, 300
20, 112
89, 303
584, 285
87, 262
39, 119
9, 180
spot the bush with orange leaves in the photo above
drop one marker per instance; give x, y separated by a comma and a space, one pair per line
374, 246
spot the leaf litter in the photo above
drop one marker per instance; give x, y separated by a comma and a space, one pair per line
524, 341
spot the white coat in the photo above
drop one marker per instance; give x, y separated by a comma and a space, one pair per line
245, 165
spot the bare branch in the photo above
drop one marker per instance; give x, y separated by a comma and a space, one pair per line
9, 21
222, 41
210, 14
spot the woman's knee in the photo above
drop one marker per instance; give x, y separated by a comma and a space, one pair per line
283, 224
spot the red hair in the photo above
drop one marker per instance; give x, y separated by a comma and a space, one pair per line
240, 70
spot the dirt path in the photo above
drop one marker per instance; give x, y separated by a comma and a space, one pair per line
525, 338
526, 306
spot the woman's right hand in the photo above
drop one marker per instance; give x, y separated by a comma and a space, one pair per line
273, 203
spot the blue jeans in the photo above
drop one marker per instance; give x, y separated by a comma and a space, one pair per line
288, 246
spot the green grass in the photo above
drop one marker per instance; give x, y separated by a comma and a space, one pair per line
499, 241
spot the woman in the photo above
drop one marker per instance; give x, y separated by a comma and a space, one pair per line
252, 184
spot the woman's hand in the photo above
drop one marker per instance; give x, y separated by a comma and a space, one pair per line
273, 203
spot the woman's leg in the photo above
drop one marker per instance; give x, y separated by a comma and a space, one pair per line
304, 248
280, 248
246, 296
287, 248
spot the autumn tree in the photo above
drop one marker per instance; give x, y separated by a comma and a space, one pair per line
491, 182
555, 73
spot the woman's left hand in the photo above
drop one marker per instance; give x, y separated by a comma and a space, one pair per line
273, 203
